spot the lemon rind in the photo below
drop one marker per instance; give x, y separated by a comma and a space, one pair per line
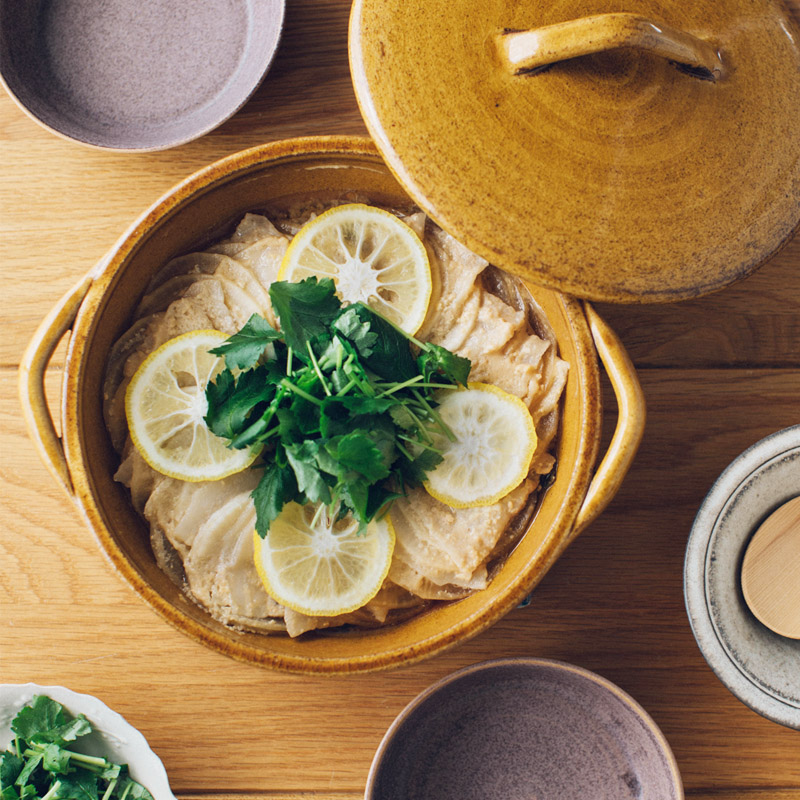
489, 500
188, 476
258, 544
288, 263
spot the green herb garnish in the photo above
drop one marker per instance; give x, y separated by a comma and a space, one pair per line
341, 405
42, 764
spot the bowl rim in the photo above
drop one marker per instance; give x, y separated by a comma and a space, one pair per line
468, 625
527, 662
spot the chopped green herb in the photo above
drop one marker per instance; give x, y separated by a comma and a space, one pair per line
340, 401
39, 766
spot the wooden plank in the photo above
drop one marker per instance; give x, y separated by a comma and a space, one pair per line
698, 794
755, 322
62, 205
736, 794
56, 223
718, 374
613, 604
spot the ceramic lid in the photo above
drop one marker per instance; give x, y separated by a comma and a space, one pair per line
627, 157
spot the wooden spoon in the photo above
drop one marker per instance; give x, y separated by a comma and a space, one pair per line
771, 571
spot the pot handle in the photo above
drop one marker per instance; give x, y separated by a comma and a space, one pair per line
531, 51
32, 369
630, 421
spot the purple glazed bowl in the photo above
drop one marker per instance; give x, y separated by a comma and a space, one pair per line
135, 76
524, 728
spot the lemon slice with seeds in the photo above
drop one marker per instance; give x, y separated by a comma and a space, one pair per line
165, 404
371, 255
491, 455
320, 566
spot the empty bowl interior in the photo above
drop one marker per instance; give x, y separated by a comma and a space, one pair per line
135, 76
524, 728
198, 212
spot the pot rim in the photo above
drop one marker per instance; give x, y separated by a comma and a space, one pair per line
557, 538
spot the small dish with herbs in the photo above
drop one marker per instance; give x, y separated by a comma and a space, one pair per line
56, 744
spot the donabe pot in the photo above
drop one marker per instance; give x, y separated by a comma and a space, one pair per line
83, 460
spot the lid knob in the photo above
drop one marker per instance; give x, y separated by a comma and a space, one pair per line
531, 51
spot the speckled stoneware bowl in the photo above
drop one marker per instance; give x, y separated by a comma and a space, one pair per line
201, 209
759, 666
524, 728
112, 736
135, 76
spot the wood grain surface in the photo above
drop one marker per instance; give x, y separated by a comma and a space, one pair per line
718, 374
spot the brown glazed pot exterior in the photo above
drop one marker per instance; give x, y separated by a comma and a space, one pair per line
199, 210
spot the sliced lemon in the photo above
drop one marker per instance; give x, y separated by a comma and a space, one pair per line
491, 455
320, 566
372, 257
165, 404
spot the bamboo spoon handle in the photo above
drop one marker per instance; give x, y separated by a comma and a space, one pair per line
533, 50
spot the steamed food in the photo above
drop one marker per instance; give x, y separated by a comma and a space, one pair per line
202, 533
335, 400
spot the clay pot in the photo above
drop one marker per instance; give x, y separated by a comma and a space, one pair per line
199, 210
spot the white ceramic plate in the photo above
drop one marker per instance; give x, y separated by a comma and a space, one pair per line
760, 667
113, 737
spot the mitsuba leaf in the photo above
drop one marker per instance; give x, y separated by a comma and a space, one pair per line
358, 331
78, 786
10, 767
231, 400
277, 486
379, 498
358, 405
31, 765
390, 355
55, 759
305, 310
303, 460
112, 771
358, 452
136, 792
415, 471
439, 359
402, 417
45, 721
40, 718
355, 495
243, 349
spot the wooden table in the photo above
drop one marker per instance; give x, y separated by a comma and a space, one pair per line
718, 374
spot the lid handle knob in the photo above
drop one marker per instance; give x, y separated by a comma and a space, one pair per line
524, 52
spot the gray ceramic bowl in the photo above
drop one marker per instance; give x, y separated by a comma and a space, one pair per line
524, 728
760, 667
135, 76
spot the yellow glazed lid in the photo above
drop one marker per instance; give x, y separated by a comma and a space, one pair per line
645, 155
